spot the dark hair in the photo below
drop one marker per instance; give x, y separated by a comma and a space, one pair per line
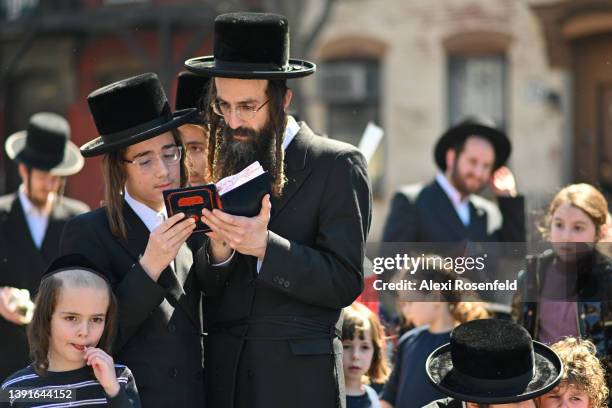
276, 92
39, 329
115, 177
459, 146
357, 318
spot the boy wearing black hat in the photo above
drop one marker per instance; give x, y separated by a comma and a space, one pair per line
469, 155
492, 363
274, 335
137, 247
31, 222
191, 90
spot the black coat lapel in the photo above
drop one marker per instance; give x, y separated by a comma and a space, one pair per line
137, 233
18, 230
57, 221
297, 169
136, 244
446, 211
477, 230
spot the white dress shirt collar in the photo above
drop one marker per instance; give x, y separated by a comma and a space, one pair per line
37, 219
290, 131
151, 218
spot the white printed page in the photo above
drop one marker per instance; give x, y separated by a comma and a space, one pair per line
231, 182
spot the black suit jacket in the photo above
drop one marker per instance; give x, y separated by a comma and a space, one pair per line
274, 340
159, 333
426, 214
22, 264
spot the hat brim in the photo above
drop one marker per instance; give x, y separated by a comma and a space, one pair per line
548, 370
98, 146
499, 140
206, 66
71, 164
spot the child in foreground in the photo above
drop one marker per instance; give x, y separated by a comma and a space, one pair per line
70, 338
583, 384
364, 360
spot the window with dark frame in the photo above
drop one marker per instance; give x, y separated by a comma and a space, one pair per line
477, 85
351, 90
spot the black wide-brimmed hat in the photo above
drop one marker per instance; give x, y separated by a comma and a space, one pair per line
474, 126
251, 46
493, 361
191, 92
45, 145
130, 111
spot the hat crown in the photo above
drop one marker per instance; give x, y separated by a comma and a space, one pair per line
128, 104
191, 90
251, 46
492, 349
252, 38
46, 137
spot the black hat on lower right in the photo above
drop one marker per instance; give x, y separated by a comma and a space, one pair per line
492, 361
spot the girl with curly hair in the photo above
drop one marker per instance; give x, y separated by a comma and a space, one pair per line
583, 384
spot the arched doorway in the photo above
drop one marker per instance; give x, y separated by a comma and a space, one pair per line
578, 35
592, 69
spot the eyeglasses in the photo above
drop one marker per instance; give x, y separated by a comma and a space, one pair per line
170, 156
242, 112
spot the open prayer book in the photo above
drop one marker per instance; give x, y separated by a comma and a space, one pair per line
239, 194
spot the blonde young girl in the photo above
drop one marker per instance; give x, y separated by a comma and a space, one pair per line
583, 384
434, 316
564, 291
364, 360
70, 338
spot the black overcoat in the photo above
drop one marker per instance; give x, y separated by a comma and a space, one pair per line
274, 337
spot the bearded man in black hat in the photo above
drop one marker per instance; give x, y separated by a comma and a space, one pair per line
137, 247
273, 339
31, 222
469, 156
491, 363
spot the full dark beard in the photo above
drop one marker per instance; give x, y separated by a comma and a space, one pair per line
458, 182
235, 155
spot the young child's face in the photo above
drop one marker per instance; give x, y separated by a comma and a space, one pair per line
568, 396
357, 356
77, 323
570, 229
195, 138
